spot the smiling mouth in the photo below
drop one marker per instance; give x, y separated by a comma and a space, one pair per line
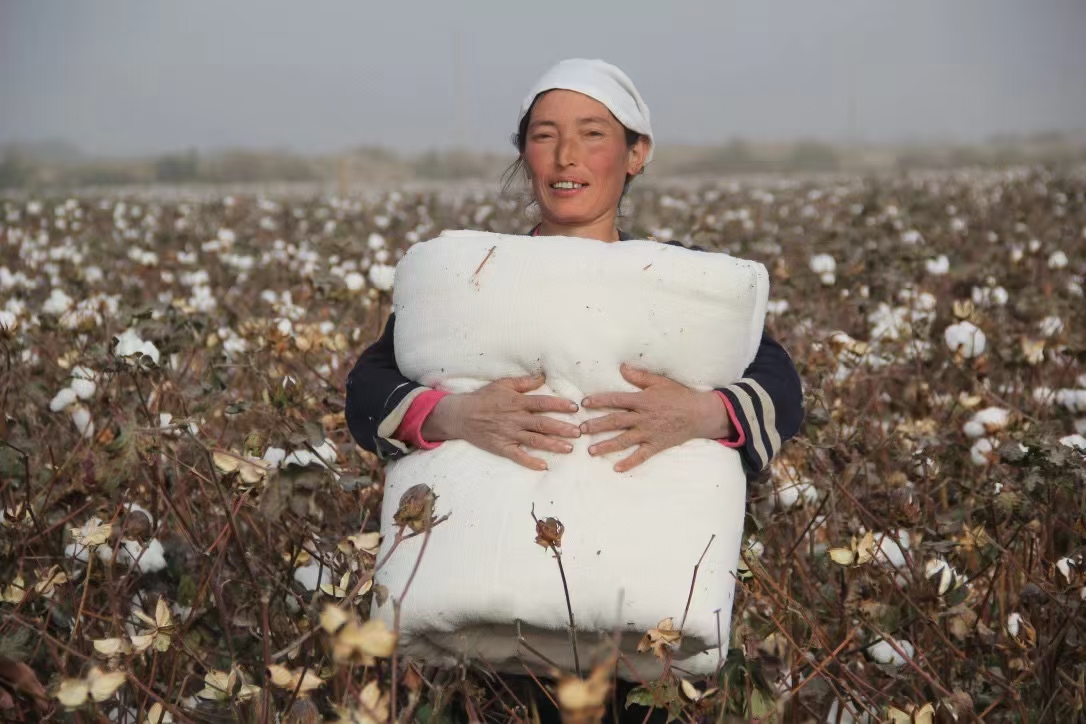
567, 185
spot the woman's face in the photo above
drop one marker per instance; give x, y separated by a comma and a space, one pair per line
578, 159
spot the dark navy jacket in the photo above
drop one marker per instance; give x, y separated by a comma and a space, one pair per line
768, 400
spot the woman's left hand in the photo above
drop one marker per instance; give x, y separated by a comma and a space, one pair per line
662, 414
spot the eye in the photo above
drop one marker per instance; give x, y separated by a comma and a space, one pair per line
596, 134
540, 136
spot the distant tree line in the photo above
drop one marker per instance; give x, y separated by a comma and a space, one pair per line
57, 164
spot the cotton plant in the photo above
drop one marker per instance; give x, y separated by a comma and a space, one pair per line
825, 266
965, 339
790, 489
989, 421
81, 387
891, 652
130, 346
1051, 326
989, 295
382, 277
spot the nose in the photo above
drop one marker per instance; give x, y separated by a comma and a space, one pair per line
564, 152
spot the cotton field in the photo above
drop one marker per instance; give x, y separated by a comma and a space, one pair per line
182, 508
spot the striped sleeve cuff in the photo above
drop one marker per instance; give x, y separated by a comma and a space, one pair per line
738, 437
386, 431
757, 419
410, 429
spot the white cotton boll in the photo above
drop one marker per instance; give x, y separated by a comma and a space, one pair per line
381, 256
755, 548
57, 304
274, 456
148, 560
81, 417
312, 575
882, 652
227, 236
129, 343
1075, 442
823, 264
828, 279
938, 266
1044, 395
981, 451
911, 237
892, 547
1063, 565
326, 453
790, 495
1014, 624
83, 382
284, 327
938, 568
382, 277
847, 712
1034, 246
62, 399
83, 388
990, 296
8, 320
1058, 260
77, 552
987, 421
965, 338
354, 281
375, 241
1050, 326
301, 458
776, 306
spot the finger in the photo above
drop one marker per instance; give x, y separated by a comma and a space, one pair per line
620, 400
544, 442
639, 377
642, 454
549, 426
527, 383
517, 455
613, 421
547, 403
620, 442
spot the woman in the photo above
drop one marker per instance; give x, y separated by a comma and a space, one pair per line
583, 135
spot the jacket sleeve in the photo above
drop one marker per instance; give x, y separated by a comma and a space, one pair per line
378, 397
768, 403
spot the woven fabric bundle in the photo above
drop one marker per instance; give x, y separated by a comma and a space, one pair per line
473, 307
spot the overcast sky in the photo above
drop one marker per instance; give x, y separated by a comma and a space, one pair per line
134, 76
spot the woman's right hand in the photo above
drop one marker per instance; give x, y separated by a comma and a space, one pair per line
500, 418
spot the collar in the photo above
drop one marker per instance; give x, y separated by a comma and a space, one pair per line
622, 235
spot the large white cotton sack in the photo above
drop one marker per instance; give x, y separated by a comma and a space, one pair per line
472, 307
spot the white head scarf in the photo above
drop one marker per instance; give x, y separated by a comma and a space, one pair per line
603, 82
